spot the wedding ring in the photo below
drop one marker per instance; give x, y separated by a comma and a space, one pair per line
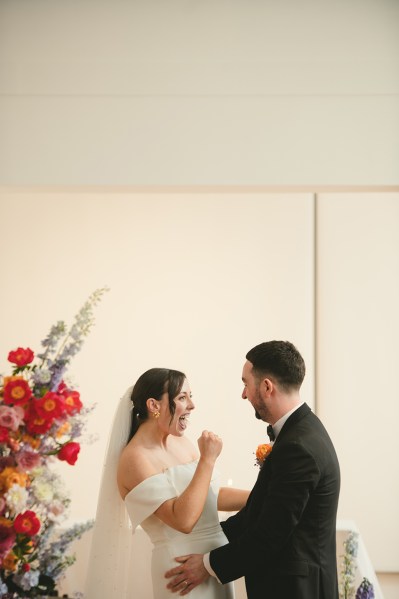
185, 583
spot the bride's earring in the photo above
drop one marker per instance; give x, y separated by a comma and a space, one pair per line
156, 414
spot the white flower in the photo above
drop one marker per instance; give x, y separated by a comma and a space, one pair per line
42, 490
39, 471
27, 580
42, 376
55, 509
3, 588
17, 498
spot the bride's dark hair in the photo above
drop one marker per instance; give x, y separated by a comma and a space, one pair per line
154, 383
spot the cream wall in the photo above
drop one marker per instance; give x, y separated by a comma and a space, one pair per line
109, 92
196, 281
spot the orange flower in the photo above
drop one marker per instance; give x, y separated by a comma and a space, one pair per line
10, 477
262, 452
10, 562
63, 430
34, 443
13, 444
5, 522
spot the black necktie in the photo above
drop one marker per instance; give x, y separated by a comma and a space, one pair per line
270, 432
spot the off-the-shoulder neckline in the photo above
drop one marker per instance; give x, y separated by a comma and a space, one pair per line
164, 471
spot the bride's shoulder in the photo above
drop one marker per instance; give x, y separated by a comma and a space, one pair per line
135, 465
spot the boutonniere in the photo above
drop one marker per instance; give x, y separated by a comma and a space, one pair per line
262, 451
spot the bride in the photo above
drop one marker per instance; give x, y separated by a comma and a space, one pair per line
156, 476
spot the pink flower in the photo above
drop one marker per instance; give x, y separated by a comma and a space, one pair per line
11, 417
7, 539
27, 460
3, 504
20, 356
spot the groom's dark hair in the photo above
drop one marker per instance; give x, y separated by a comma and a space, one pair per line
279, 360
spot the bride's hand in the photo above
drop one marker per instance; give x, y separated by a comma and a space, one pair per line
210, 446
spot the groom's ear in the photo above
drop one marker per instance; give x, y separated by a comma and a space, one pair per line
267, 387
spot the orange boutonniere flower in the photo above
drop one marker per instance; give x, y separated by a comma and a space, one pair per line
262, 452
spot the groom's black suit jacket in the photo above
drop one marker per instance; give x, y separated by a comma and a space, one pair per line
283, 540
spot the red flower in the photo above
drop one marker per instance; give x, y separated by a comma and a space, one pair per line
17, 391
50, 406
27, 523
21, 357
25, 567
36, 424
3, 434
72, 401
69, 452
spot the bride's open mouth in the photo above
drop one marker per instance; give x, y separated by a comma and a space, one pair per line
183, 421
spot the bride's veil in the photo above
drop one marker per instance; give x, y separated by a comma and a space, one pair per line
107, 569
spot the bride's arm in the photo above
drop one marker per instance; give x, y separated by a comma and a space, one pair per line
183, 512
231, 500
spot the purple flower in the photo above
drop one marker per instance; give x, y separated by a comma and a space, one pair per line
366, 590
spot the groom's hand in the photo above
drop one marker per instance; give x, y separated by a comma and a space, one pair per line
189, 574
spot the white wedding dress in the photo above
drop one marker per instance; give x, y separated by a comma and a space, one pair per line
145, 498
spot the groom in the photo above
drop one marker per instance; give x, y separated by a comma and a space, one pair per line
283, 540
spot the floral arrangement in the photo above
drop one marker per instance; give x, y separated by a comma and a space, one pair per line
262, 451
347, 579
41, 416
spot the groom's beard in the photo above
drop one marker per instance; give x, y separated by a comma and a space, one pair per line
257, 415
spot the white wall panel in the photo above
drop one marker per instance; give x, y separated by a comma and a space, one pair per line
357, 359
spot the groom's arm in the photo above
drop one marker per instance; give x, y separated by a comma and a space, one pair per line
233, 526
